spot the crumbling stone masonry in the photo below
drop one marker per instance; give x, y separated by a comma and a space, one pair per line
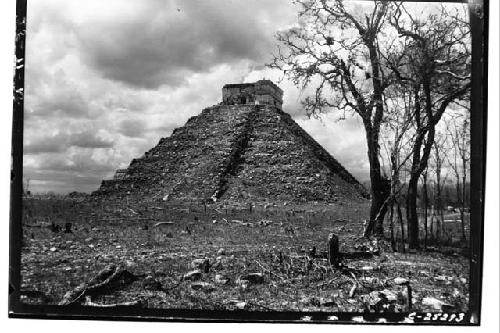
236, 153
262, 92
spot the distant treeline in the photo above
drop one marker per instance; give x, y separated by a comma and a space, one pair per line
449, 194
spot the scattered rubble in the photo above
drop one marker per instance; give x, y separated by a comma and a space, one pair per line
252, 278
192, 275
149, 283
400, 280
328, 301
201, 264
221, 279
436, 304
202, 286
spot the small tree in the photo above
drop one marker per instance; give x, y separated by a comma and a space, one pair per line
398, 121
459, 133
438, 157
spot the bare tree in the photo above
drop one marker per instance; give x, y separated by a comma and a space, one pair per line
436, 65
438, 159
459, 132
337, 49
398, 121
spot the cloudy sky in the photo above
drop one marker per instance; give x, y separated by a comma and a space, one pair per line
105, 80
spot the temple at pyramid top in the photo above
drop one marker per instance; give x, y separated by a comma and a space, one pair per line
260, 92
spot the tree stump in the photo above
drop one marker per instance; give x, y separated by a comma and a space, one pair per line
55, 228
333, 250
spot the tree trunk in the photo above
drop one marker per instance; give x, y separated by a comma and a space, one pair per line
411, 214
424, 188
443, 227
380, 187
439, 205
333, 250
432, 236
400, 218
462, 210
424, 139
379, 206
419, 164
411, 196
391, 226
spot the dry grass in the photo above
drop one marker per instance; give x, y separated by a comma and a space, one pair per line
272, 241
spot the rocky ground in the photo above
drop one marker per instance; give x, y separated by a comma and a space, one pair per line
198, 257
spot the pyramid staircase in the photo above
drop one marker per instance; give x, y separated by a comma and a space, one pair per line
235, 154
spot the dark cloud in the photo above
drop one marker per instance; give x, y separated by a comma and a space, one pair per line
48, 144
88, 139
133, 128
43, 147
81, 163
165, 42
62, 141
62, 101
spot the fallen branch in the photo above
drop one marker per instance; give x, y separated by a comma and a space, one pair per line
133, 211
321, 267
345, 271
88, 302
353, 290
109, 279
326, 282
162, 223
123, 218
246, 224
172, 287
269, 271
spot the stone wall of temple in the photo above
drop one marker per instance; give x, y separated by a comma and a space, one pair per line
260, 92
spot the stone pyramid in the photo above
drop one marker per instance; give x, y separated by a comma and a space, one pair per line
244, 150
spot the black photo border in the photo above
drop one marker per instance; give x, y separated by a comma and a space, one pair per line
478, 9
